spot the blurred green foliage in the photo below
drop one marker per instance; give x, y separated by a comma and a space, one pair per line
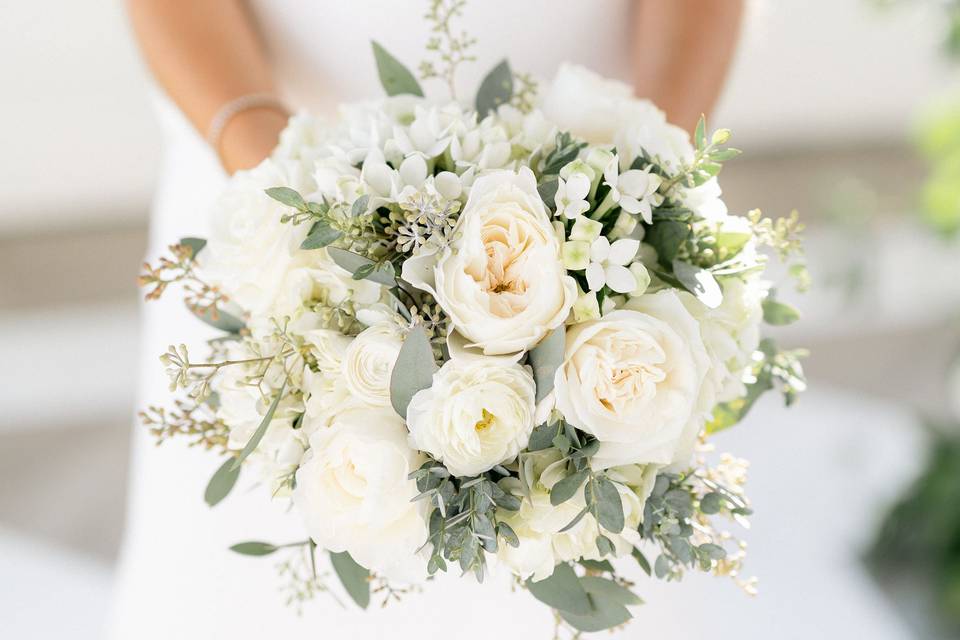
920, 536
939, 141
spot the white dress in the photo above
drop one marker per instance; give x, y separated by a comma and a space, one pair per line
177, 579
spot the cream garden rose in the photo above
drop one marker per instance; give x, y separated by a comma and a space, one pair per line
355, 496
477, 414
634, 379
501, 279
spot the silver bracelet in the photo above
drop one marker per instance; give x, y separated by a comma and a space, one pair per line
236, 106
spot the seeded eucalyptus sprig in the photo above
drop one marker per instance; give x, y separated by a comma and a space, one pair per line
463, 521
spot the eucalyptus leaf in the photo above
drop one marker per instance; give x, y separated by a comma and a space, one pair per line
413, 370
562, 591
597, 565
287, 196
546, 358
359, 206
261, 430
219, 319
566, 488
548, 192
779, 313
711, 503
542, 437
610, 506
609, 600
495, 89
699, 282
222, 482
641, 560
353, 263
321, 234
254, 548
395, 78
355, 578
196, 245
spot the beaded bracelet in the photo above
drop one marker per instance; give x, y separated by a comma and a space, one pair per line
237, 106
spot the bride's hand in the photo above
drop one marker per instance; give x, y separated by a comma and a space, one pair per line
249, 137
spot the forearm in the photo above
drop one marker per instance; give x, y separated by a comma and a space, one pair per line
205, 54
682, 50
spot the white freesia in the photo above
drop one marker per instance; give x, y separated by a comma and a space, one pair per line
633, 379
608, 264
368, 363
501, 280
355, 496
477, 414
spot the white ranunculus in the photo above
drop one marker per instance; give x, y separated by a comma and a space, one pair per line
634, 379
500, 280
368, 363
731, 332
586, 104
354, 494
477, 414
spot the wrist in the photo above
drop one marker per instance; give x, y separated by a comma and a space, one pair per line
246, 130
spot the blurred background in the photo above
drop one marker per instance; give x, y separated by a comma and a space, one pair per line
848, 110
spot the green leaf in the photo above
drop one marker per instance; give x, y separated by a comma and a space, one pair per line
597, 565
662, 566
196, 245
566, 488
699, 282
261, 430
605, 546
254, 548
542, 437
712, 551
353, 263
548, 192
641, 560
355, 579
666, 236
359, 206
722, 155
287, 196
700, 135
395, 78
711, 503
413, 370
610, 506
578, 518
609, 600
495, 90
779, 313
508, 534
321, 234
562, 591
546, 358
220, 320
222, 482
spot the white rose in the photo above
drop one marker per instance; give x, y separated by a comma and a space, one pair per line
477, 414
368, 363
501, 279
586, 104
731, 333
354, 493
249, 251
633, 379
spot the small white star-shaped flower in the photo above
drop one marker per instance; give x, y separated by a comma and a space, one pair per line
608, 264
571, 197
634, 190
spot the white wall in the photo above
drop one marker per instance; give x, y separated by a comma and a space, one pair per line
79, 142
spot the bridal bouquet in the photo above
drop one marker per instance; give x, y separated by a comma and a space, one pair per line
454, 337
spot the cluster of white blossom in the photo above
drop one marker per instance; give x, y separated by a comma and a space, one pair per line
490, 234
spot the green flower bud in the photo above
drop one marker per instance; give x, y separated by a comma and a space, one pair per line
575, 255
585, 229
